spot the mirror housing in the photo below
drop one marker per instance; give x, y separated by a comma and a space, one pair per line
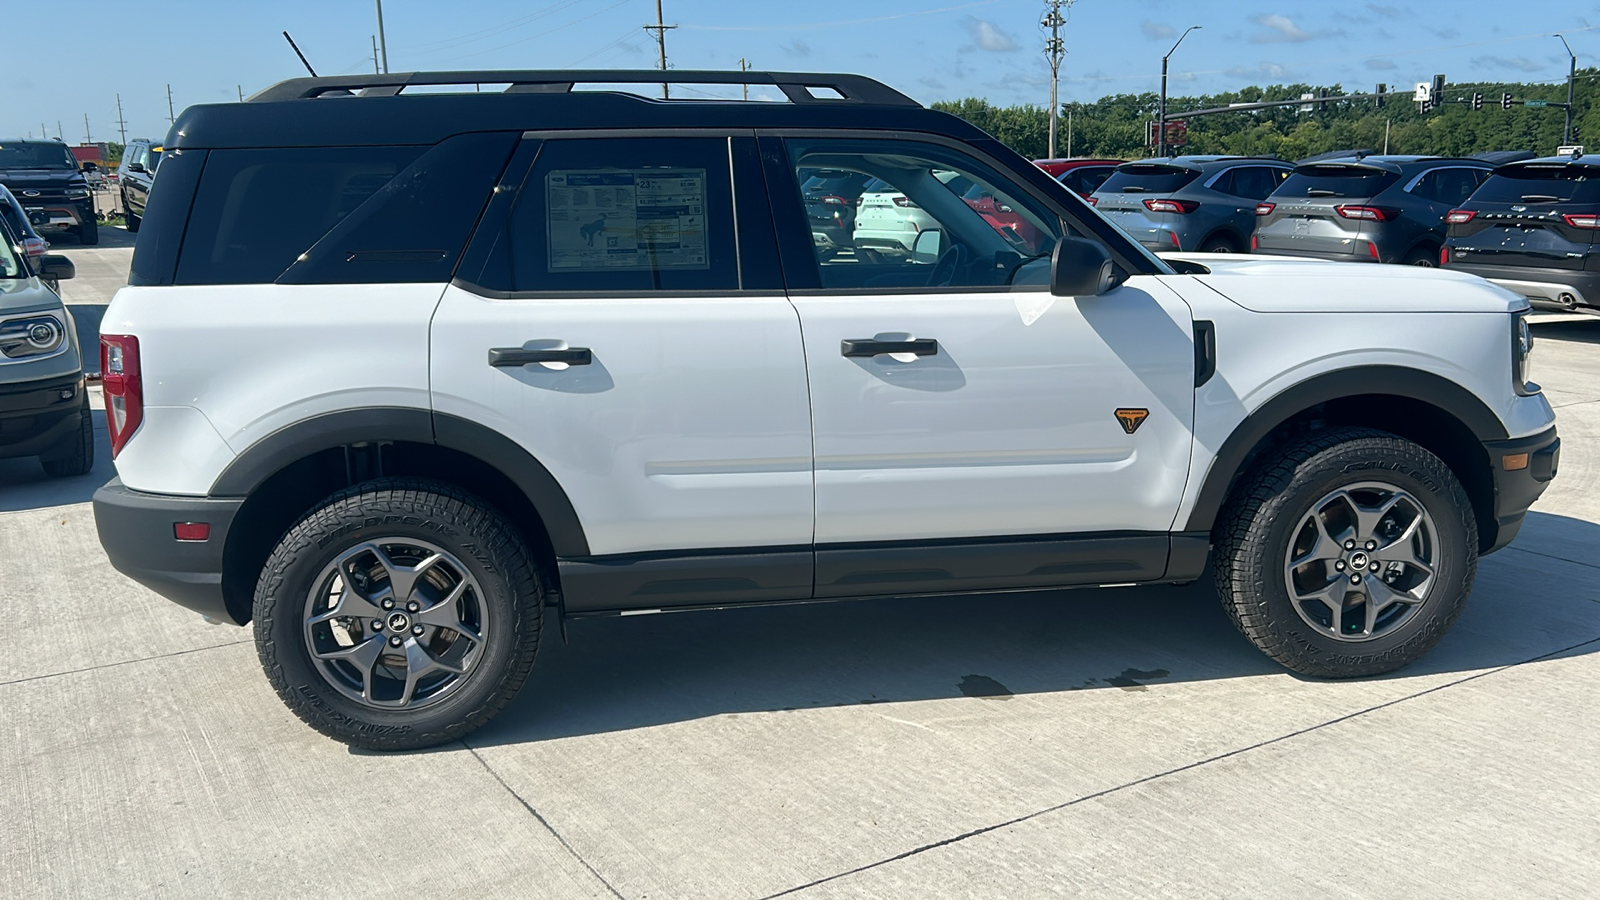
1081, 268
927, 246
54, 265
135, 167
91, 167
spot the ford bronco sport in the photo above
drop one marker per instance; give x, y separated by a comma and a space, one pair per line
400, 375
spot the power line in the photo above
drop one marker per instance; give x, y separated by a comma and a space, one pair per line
925, 12
544, 34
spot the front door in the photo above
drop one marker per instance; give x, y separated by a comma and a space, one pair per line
619, 332
971, 430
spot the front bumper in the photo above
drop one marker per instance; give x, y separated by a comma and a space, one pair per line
37, 415
136, 530
1523, 468
60, 215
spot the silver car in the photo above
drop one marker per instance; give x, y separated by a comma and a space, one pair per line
1205, 203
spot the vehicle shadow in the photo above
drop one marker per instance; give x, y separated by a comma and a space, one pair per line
1586, 331
24, 485
619, 674
86, 318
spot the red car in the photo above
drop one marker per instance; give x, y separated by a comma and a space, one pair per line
1081, 175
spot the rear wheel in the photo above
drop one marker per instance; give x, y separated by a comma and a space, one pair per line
1220, 243
1424, 257
1347, 553
399, 614
129, 220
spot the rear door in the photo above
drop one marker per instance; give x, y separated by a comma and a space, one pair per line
1533, 214
966, 421
617, 319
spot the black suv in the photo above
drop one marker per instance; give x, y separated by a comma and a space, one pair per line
1366, 209
44, 176
1531, 228
136, 176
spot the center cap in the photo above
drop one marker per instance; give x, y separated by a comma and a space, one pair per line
1358, 560
399, 622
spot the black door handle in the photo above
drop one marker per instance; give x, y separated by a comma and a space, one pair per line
511, 357
870, 347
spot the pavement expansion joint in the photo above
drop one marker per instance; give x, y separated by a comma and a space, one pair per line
1169, 772
1560, 558
125, 662
542, 821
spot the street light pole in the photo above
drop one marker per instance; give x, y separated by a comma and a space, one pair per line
1161, 118
383, 40
1572, 75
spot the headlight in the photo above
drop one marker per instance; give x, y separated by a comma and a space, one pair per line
31, 336
77, 193
1522, 355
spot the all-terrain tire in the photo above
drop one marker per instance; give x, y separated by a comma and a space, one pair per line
1268, 506
74, 456
89, 233
400, 509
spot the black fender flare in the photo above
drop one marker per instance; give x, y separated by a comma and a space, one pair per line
1394, 381
327, 431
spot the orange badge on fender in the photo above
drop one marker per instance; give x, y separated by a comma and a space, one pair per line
1131, 419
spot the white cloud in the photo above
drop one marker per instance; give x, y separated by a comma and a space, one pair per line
1520, 63
1156, 30
988, 36
1279, 28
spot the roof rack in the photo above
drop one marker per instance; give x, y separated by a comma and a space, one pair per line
797, 86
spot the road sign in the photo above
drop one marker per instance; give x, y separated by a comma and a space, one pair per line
1536, 104
1423, 92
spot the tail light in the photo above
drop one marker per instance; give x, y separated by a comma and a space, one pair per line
1181, 207
34, 246
1255, 242
1093, 200
1373, 249
1174, 236
123, 388
1582, 220
1459, 216
1263, 209
905, 202
1369, 213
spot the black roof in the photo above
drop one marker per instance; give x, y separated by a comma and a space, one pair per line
376, 110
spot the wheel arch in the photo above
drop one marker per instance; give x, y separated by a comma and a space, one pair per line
1427, 409
285, 474
1226, 230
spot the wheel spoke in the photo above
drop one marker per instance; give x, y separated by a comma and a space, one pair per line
1324, 547
419, 662
444, 615
359, 603
1331, 596
1367, 518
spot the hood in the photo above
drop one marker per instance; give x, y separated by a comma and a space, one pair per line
26, 295
1286, 284
19, 180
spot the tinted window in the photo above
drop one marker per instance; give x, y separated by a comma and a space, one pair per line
627, 214
929, 217
1087, 179
1336, 181
1147, 179
1254, 182
36, 156
257, 210
1451, 185
1541, 184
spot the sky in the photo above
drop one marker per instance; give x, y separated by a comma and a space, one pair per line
210, 50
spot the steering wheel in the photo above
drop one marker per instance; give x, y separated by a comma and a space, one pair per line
947, 266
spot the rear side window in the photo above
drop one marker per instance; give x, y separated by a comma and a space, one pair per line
1250, 182
1541, 184
1148, 179
1451, 185
600, 215
1087, 179
256, 211
1336, 181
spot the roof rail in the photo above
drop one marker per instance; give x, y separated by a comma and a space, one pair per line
797, 86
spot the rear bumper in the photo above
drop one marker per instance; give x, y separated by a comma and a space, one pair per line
1272, 250
1576, 290
1523, 468
136, 532
37, 415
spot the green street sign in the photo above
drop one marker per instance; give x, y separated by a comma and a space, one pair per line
1536, 104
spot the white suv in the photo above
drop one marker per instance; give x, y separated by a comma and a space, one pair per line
398, 375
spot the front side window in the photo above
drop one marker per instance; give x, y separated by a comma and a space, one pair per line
900, 214
625, 214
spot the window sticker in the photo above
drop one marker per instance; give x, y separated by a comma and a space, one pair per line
608, 219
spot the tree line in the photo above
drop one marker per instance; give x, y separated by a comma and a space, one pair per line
1114, 127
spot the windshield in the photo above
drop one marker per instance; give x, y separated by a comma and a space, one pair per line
10, 258
1541, 184
1147, 179
36, 156
1335, 181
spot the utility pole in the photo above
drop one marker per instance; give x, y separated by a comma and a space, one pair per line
661, 28
375, 69
122, 125
744, 66
384, 41
241, 92
1161, 118
60, 136
87, 138
171, 117
44, 133
1572, 75
1069, 133
1054, 50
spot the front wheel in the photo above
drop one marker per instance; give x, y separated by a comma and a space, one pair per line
129, 220
74, 456
1347, 553
398, 615
89, 233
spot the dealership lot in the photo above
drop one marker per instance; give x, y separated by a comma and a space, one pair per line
1115, 743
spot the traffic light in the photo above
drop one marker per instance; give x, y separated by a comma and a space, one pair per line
1505, 101
1477, 101
1438, 90
1380, 95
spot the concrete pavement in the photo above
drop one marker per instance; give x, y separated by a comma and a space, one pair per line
1117, 743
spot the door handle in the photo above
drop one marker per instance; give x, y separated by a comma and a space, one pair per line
870, 347
512, 357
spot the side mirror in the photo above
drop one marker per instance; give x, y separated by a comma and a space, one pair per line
927, 247
135, 167
91, 167
1080, 268
54, 265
